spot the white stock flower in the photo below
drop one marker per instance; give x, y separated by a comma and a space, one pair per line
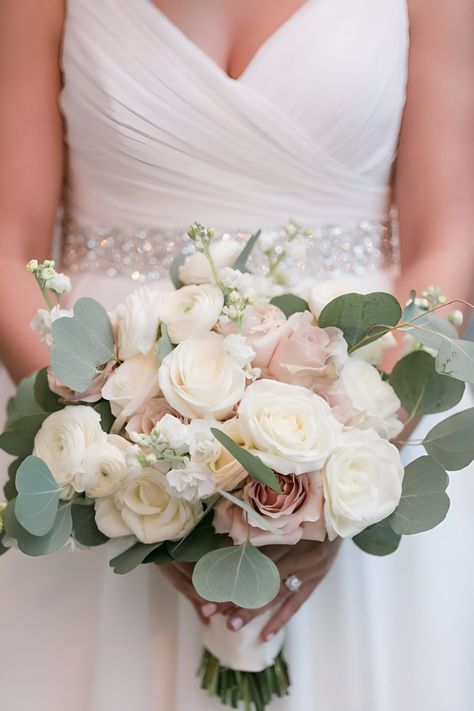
196, 268
59, 283
145, 507
289, 427
192, 481
191, 310
267, 240
372, 396
362, 483
172, 432
44, 319
64, 438
199, 379
136, 322
237, 348
203, 446
373, 352
131, 384
104, 468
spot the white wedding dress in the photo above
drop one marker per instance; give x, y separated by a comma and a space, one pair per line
159, 136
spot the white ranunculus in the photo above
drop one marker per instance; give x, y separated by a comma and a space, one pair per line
136, 322
59, 283
373, 352
199, 379
191, 310
104, 468
191, 481
329, 289
64, 438
144, 507
44, 319
237, 348
196, 268
131, 384
372, 396
289, 427
362, 483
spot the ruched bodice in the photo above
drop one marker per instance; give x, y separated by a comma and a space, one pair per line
159, 135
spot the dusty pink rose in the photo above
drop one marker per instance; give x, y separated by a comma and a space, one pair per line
297, 512
93, 392
146, 418
262, 326
306, 354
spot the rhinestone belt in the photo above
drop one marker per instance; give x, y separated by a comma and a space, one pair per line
146, 254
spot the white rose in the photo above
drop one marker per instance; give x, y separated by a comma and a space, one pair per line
131, 384
198, 378
373, 352
191, 310
237, 348
196, 268
362, 483
104, 468
372, 396
59, 283
44, 319
144, 507
289, 427
325, 291
136, 322
64, 438
192, 481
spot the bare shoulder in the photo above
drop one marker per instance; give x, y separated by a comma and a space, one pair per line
454, 19
40, 19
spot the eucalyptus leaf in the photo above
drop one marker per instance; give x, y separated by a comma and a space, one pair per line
38, 497
201, 540
18, 439
106, 418
421, 389
429, 328
455, 358
164, 345
379, 539
82, 343
424, 503
132, 557
451, 441
290, 304
239, 574
85, 528
362, 318
3, 549
252, 464
46, 399
254, 518
23, 403
174, 270
39, 545
241, 262
160, 556
10, 485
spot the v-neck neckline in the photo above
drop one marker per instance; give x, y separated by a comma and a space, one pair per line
268, 41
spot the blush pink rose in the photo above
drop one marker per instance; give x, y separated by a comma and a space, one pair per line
306, 354
146, 418
341, 405
262, 326
93, 392
297, 512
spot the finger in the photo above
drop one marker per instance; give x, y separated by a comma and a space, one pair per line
238, 617
183, 574
286, 611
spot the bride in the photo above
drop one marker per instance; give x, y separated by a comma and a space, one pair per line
141, 116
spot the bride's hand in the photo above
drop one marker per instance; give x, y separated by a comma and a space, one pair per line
309, 561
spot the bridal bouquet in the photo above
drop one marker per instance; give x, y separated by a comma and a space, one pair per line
206, 423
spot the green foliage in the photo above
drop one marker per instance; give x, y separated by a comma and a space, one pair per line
3, 549
451, 442
46, 399
253, 517
160, 556
106, 418
82, 344
23, 403
241, 261
85, 527
379, 539
362, 318
456, 359
424, 503
39, 545
200, 540
430, 329
420, 388
164, 345
252, 464
132, 557
10, 488
19, 437
290, 304
174, 270
239, 574
38, 497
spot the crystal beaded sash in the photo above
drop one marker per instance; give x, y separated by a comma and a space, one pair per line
146, 254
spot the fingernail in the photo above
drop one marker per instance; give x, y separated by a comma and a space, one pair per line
269, 636
208, 609
236, 623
